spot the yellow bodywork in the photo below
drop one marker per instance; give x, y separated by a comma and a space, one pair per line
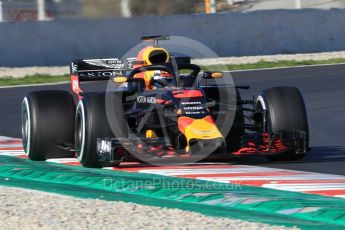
150, 134
201, 129
148, 50
144, 56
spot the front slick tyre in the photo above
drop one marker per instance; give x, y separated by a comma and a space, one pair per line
91, 122
286, 112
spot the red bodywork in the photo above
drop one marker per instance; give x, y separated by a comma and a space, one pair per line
75, 85
276, 146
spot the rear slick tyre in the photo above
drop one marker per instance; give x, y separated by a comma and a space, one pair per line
47, 121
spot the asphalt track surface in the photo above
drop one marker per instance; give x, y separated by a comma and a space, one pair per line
323, 88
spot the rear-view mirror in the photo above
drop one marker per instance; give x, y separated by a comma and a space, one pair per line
120, 79
210, 75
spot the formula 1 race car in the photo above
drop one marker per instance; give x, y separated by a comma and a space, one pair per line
159, 107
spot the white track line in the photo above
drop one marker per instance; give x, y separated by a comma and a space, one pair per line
34, 85
280, 68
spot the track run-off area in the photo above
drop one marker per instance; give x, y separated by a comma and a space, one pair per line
236, 175
308, 193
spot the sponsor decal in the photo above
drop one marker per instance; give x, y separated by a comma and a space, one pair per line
74, 68
191, 103
143, 99
193, 108
100, 74
194, 112
107, 63
131, 62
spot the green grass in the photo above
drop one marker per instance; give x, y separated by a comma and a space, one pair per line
269, 64
33, 79
37, 79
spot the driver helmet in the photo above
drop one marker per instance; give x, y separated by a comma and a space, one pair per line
160, 80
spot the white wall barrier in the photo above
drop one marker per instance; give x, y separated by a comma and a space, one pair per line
231, 34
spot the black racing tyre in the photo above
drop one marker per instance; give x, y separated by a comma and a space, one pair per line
285, 111
47, 120
91, 122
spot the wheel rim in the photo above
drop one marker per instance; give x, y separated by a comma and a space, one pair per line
79, 134
26, 126
261, 105
78, 131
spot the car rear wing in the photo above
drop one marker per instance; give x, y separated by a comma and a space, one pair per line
98, 69
83, 70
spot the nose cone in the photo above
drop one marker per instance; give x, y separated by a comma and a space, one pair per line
201, 129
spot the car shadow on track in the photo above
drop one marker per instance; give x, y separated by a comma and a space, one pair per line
317, 154
326, 154
321, 159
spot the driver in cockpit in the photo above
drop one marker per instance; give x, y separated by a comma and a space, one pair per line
153, 79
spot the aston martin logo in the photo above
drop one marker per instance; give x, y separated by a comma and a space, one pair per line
107, 63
